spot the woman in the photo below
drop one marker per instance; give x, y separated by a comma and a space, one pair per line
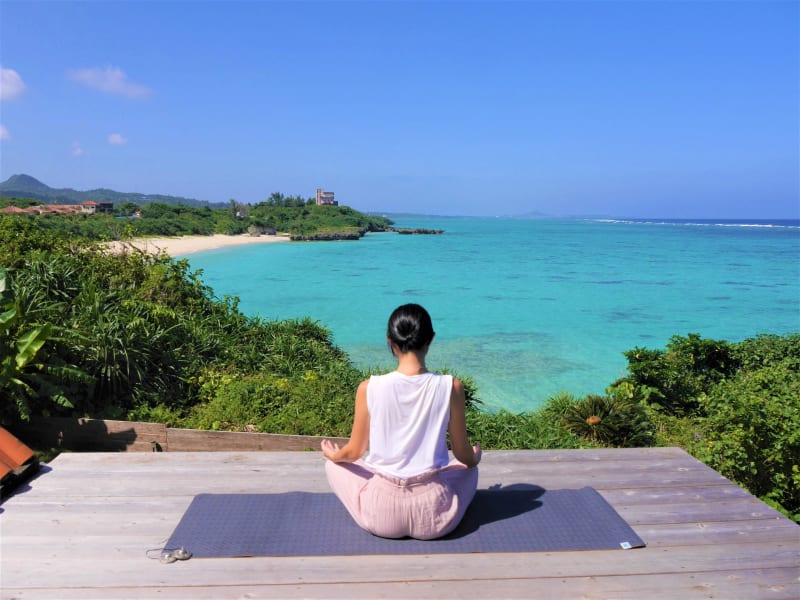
406, 485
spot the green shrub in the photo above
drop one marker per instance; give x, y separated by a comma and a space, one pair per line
31, 373
308, 403
673, 430
233, 402
542, 429
612, 421
751, 434
156, 413
678, 375
517, 431
767, 350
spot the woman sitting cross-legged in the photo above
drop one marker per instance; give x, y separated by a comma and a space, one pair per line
406, 485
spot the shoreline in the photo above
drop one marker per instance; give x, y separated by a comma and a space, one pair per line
189, 244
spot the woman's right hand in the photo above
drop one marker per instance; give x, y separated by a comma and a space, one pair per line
476, 450
329, 449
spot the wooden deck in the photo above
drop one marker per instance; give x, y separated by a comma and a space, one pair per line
82, 530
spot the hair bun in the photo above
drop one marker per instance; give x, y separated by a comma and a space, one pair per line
410, 328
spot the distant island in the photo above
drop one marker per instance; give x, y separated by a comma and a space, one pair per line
107, 215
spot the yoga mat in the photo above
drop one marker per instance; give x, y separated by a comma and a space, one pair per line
513, 519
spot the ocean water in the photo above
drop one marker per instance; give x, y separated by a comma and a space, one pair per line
528, 307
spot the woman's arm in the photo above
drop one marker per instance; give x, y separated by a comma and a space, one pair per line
459, 442
359, 436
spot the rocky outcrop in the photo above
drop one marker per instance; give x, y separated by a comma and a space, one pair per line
415, 231
326, 236
331, 236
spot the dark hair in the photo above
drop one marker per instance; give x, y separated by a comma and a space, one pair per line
410, 328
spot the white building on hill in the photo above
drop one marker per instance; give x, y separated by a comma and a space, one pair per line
325, 198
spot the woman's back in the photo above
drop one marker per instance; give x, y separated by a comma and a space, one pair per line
408, 416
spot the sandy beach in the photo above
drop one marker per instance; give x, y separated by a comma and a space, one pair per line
189, 244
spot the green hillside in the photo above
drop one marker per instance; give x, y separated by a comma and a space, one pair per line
25, 186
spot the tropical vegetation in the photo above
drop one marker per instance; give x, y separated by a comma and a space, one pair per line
138, 336
291, 215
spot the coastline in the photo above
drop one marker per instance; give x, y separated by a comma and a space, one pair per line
189, 244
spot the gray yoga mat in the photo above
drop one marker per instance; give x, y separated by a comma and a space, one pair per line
520, 518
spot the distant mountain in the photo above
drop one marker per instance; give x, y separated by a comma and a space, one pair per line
25, 186
24, 182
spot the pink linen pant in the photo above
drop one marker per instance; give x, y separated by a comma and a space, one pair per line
424, 507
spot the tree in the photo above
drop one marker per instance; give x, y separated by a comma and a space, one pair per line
275, 199
126, 209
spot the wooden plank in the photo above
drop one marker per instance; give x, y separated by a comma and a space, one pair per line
159, 474
94, 435
590, 455
658, 495
723, 532
780, 584
156, 524
636, 474
503, 460
169, 474
216, 481
193, 440
745, 509
91, 434
118, 567
687, 472
158, 516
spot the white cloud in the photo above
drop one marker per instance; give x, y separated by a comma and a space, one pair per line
4, 134
111, 80
117, 139
11, 84
77, 150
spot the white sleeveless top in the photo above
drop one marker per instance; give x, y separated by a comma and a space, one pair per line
408, 418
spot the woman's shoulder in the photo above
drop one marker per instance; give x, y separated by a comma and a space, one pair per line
394, 375
448, 377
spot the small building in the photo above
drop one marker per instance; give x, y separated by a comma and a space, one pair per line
89, 207
325, 198
56, 209
86, 208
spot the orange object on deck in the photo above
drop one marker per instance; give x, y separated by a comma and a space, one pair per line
17, 462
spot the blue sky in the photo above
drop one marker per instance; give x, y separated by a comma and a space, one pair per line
640, 108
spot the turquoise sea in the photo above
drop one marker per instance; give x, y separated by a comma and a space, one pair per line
528, 307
